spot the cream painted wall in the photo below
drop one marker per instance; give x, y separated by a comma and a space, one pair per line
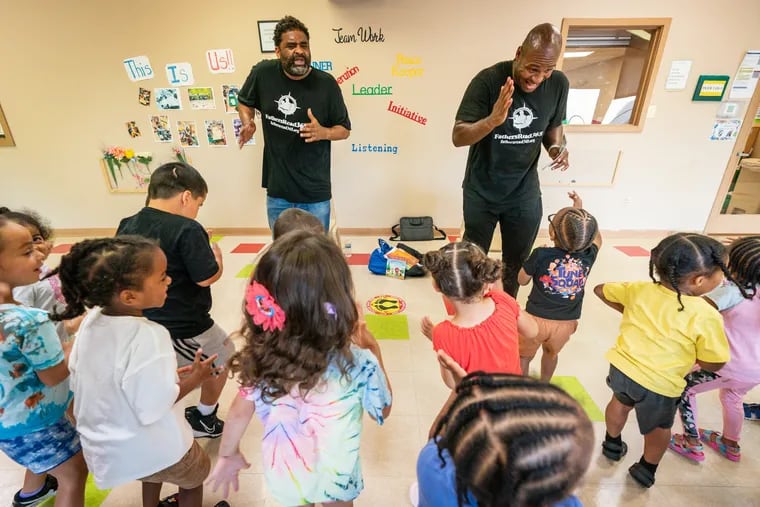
66, 96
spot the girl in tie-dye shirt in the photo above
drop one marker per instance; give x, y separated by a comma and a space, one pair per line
310, 368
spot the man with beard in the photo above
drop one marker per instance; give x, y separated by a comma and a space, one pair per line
508, 111
302, 111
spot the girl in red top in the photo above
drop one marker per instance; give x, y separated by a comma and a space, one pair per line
483, 334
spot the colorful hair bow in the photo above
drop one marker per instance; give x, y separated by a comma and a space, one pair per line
262, 308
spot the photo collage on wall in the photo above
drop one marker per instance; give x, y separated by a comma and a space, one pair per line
182, 94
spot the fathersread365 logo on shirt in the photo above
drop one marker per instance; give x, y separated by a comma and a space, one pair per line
287, 105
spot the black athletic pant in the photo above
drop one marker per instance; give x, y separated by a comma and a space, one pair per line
519, 223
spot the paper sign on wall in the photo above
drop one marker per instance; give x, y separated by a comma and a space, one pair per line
180, 74
725, 130
746, 76
220, 61
138, 68
679, 73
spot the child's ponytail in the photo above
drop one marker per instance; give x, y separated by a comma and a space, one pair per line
461, 270
486, 270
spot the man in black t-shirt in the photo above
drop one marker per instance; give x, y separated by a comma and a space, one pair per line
302, 111
508, 111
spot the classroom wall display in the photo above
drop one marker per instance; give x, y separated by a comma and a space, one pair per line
126, 171
220, 61
180, 74
168, 98
391, 165
138, 68
710, 88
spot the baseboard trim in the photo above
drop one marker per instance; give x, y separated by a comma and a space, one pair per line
98, 232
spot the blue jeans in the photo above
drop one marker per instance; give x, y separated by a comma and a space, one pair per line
275, 206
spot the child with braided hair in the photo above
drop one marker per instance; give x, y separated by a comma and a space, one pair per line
666, 328
483, 333
309, 371
559, 276
124, 371
739, 303
507, 441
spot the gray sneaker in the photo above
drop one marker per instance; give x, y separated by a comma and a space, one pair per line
47, 491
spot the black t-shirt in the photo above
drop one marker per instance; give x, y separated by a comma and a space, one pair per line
502, 166
293, 169
559, 279
189, 260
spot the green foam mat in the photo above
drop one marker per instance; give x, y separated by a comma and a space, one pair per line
246, 271
574, 388
388, 327
93, 496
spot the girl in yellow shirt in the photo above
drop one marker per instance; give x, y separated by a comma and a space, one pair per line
666, 328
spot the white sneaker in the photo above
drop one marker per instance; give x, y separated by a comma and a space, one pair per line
414, 494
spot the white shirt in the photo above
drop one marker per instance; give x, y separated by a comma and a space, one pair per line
124, 378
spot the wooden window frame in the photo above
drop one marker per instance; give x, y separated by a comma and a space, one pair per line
644, 92
7, 139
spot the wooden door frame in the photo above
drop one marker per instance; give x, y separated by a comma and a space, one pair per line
718, 223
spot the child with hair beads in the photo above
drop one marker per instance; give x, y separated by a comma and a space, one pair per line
507, 441
739, 303
666, 328
301, 372
175, 194
34, 384
124, 371
45, 293
559, 275
483, 334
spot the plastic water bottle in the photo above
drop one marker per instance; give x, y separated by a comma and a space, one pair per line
347, 249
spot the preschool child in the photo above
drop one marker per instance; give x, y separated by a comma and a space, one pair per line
559, 275
666, 328
34, 383
483, 333
124, 371
739, 303
307, 372
175, 194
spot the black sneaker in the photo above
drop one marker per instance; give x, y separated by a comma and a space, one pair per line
204, 426
47, 491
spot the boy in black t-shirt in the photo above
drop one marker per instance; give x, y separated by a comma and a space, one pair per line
175, 194
559, 277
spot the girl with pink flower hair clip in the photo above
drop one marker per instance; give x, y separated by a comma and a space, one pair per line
310, 368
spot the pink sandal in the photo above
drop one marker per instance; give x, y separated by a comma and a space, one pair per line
714, 440
679, 444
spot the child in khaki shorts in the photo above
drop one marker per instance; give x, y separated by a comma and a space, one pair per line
559, 275
187, 473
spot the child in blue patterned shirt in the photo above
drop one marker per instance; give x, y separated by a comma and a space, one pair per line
34, 387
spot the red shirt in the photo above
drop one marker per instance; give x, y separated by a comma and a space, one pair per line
491, 346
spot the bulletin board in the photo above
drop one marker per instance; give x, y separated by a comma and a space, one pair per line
589, 167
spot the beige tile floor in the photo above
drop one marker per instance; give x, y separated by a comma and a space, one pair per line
389, 452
